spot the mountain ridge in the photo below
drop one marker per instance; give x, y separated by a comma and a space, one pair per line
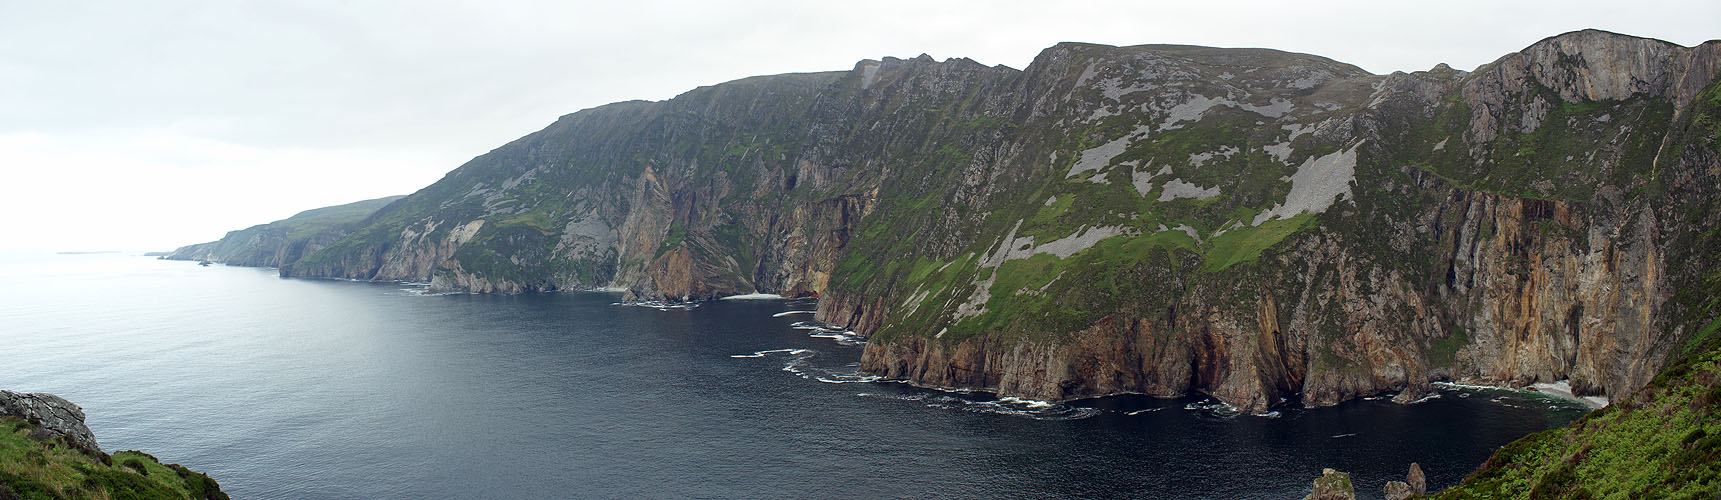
1256, 225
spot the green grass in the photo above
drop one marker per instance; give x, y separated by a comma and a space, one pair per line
1043, 297
310, 222
677, 234
1245, 244
51, 470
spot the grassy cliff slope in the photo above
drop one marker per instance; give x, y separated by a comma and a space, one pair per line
1663, 442
33, 468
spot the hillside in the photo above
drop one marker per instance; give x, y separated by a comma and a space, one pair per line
285, 240
1256, 225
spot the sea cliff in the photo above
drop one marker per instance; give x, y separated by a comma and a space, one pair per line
1256, 225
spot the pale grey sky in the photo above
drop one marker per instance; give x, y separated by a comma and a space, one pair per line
149, 125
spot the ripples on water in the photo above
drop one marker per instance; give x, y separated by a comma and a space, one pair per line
308, 389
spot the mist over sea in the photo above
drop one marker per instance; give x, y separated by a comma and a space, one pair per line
323, 389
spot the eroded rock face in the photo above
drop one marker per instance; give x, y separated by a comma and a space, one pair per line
1255, 225
1426, 279
1116, 356
52, 414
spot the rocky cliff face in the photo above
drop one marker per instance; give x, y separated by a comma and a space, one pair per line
1255, 225
1511, 225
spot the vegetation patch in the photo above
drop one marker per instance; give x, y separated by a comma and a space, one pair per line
1444, 351
52, 470
1044, 297
1245, 244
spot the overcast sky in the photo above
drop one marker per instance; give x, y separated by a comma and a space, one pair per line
149, 125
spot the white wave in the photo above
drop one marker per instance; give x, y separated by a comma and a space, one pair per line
1429, 397
1344, 435
761, 354
1031, 403
752, 296
1138, 412
1219, 408
786, 313
1558, 390
1015, 407
842, 338
847, 379
842, 335
608, 289
1563, 390
1455, 385
425, 292
659, 305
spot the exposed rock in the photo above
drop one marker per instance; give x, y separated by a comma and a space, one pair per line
63, 443
51, 414
1338, 233
1332, 485
1398, 490
1418, 483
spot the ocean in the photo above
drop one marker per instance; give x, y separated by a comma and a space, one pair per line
325, 389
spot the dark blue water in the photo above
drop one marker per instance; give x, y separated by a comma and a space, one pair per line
311, 389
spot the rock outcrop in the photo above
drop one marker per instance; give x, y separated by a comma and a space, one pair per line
58, 458
1255, 225
1413, 485
52, 415
1397, 490
1417, 482
1332, 485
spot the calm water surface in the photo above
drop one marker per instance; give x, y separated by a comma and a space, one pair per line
320, 389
